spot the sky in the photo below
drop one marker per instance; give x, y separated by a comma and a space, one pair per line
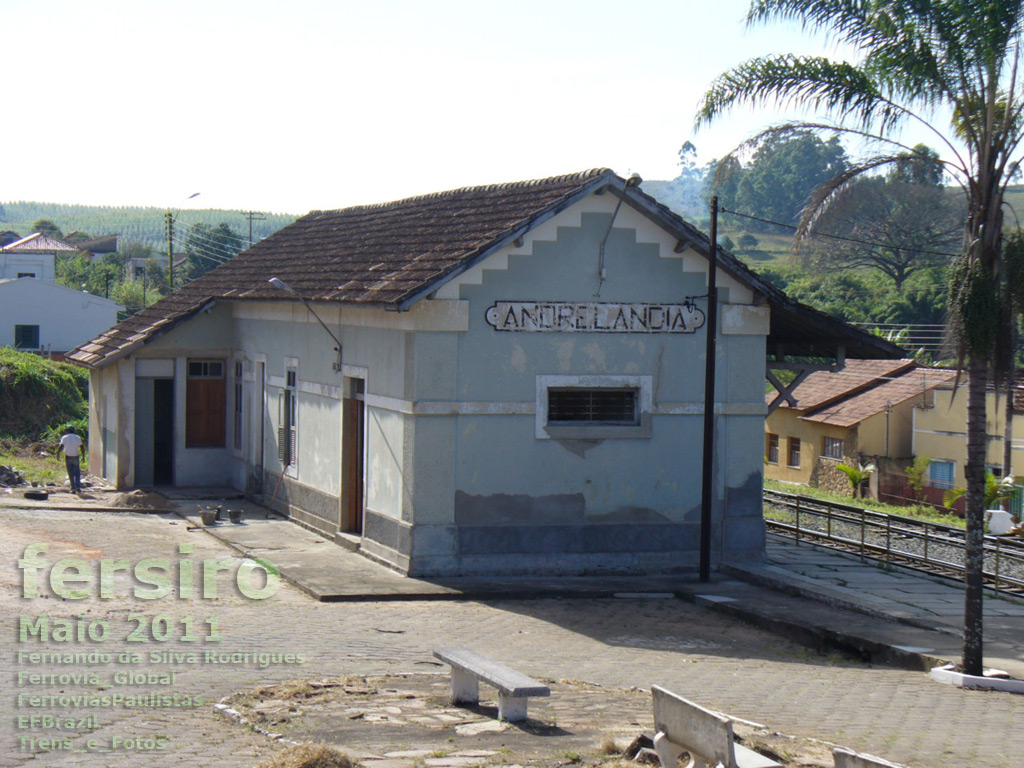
293, 105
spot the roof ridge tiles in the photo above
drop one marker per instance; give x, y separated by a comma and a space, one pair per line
578, 177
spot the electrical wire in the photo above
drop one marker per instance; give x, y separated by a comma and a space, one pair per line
838, 237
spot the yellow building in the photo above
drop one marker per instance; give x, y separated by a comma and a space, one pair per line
865, 411
940, 433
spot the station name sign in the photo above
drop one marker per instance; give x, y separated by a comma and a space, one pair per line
593, 317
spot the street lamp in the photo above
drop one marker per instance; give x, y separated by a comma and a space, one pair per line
171, 218
282, 285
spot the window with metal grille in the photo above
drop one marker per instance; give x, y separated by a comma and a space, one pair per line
26, 337
287, 431
772, 448
793, 459
832, 448
593, 405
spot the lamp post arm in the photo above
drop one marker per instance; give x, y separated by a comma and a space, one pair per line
282, 285
319, 320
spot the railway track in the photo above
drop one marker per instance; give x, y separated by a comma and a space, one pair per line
910, 543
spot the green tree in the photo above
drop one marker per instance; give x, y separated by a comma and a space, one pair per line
783, 173
956, 55
47, 227
915, 476
208, 247
857, 476
687, 189
891, 226
747, 242
920, 166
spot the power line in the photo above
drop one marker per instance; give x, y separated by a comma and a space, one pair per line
840, 237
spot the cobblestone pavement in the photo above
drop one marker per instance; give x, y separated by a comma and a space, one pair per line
622, 643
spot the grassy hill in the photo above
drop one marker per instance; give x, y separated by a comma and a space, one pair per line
145, 225
39, 396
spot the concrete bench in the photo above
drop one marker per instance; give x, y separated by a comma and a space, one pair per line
683, 726
847, 758
469, 668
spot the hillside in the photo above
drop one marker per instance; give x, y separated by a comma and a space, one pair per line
39, 396
129, 223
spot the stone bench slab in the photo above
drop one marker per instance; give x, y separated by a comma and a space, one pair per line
470, 667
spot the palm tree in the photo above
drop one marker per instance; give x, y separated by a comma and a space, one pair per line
916, 59
857, 476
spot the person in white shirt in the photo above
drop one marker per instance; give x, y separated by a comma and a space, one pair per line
71, 444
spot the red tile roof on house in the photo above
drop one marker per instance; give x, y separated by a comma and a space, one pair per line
854, 409
393, 254
824, 387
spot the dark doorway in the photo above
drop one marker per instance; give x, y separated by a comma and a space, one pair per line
163, 432
352, 463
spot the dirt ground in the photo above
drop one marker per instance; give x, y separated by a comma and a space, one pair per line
406, 721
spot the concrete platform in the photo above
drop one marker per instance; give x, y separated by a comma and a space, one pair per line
826, 600
823, 599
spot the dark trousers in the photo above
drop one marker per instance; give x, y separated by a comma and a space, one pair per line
73, 463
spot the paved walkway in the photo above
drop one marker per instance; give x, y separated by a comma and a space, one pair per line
387, 625
818, 597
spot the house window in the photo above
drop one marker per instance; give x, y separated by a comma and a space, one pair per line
941, 473
832, 448
26, 337
237, 413
771, 449
793, 455
588, 407
287, 431
26, 274
205, 404
596, 405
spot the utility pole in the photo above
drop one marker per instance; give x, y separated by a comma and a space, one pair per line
707, 475
253, 216
170, 249
171, 218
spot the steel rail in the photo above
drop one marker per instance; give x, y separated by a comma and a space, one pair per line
924, 546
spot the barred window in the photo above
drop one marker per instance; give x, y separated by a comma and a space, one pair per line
794, 452
26, 337
832, 448
593, 405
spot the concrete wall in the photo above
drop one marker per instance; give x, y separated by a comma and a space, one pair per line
462, 475
66, 318
815, 470
940, 432
39, 264
493, 494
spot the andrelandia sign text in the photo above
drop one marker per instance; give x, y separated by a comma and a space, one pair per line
593, 317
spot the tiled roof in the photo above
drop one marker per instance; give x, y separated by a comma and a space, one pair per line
393, 254
103, 244
853, 410
37, 242
825, 387
372, 255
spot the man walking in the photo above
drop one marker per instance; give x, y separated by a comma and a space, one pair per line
71, 444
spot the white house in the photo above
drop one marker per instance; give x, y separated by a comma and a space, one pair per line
500, 379
37, 314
